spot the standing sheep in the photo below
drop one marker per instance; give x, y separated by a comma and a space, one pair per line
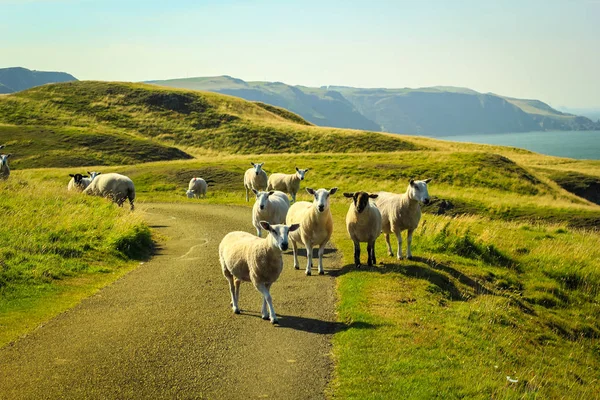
4, 169
77, 182
269, 206
287, 183
255, 178
401, 212
117, 187
363, 222
316, 226
245, 257
196, 187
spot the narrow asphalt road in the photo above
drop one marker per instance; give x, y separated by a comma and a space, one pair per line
166, 330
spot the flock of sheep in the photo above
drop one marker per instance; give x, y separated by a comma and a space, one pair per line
245, 257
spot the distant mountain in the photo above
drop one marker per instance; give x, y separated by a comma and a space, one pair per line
17, 78
591, 113
436, 111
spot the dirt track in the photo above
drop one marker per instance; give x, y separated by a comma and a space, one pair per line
166, 329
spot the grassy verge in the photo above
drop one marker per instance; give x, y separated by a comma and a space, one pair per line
58, 247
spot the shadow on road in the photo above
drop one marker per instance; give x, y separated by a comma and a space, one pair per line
312, 325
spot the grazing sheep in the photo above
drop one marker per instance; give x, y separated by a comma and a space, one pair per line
269, 206
196, 187
77, 182
363, 222
287, 183
316, 226
114, 186
245, 257
401, 212
4, 169
92, 176
255, 178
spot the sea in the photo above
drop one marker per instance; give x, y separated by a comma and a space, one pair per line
572, 144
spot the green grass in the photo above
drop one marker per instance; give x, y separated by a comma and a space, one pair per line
582, 185
57, 247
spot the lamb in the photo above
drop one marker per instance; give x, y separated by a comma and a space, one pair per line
114, 186
269, 206
316, 226
287, 183
4, 169
196, 187
401, 212
363, 222
255, 178
245, 257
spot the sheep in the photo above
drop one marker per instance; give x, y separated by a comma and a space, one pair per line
287, 183
79, 182
114, 186
269, 206
2, 146
196, 187
4, 169
255, 178
363, 222
316, 226
401, 212
245, 257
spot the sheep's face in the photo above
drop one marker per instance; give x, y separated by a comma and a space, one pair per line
190, 194
417, 190
93, 174
361, 199
4, 159
262, 198
321, 198
77, 178
257, 168
301, 172
279, 233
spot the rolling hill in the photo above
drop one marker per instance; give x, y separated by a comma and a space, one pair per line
435, 111
18, 78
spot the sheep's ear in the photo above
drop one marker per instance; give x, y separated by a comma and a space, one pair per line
306, 170
412, 182
310, 191
333, 190
254, 191
373, 195
89, 173
428, 180
97, 173
84, 176
294, 227
251, 163
261, 164
72, 176
271, 192
265, 225
348, 195
297, 169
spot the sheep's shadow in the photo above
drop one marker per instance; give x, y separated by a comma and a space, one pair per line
302, 252
313, 325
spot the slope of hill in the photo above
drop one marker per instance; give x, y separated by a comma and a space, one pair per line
437, 111
159, 117
17, 78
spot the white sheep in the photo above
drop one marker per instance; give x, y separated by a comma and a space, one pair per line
287, 183
401, 212
196, 187
117, 187
316, 226
79, 182
245, 257
363, 222
255, 178
4, 169
269, 206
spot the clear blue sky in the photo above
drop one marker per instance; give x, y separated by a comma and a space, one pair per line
549, 50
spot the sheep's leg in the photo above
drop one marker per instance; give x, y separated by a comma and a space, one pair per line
357, 254
389, 246
233, 296
399, 237
264, 313
321, 252
309, 257
247, 198
237, 284
295, 251
408, 243
369, 254
293, 197
373, 259
264, 289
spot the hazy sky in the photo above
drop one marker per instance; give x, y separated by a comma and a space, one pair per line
549, 50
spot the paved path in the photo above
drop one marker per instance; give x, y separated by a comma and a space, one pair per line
166, 330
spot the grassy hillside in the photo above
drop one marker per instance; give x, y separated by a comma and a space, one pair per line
179, 117
439, 110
